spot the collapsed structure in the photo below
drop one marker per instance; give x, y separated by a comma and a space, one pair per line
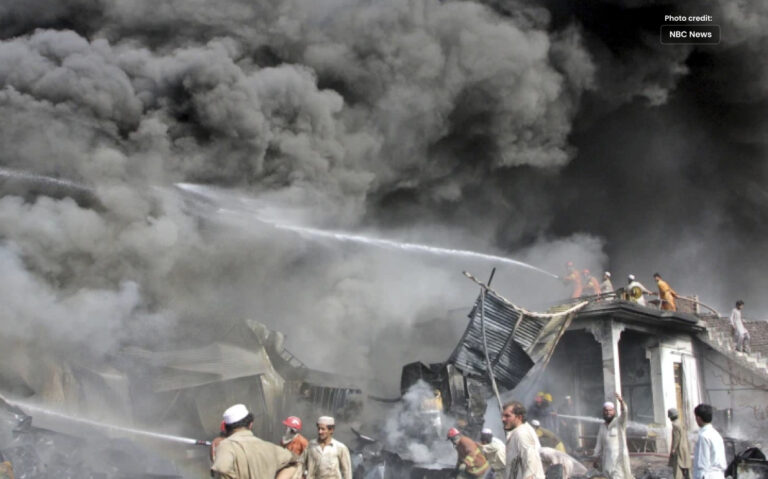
588, 348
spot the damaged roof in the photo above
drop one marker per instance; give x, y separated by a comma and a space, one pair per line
506, 344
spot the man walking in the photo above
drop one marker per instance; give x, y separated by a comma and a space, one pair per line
244, 456
679, 452
667, 295
709, 458
740, 333
611, 448
327, 458
523, 460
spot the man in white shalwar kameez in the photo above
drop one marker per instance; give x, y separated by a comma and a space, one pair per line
636, 290
611, 448
740, 333
709, 457
523, 460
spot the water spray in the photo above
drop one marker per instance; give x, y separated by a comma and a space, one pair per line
24, 406
243, 208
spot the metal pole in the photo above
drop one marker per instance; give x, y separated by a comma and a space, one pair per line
485, 347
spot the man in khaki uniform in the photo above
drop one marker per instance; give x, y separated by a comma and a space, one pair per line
244, 456
679, 453
327, 458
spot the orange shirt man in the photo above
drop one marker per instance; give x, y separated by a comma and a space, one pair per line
667, 295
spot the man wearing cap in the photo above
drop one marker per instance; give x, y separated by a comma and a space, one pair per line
327, 458
636, 290
244, 456
606, 286
470, 460
679, 451
495, 452
523, 460
611, 448
295, 442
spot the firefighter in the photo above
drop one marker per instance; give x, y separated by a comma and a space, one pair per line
667, 295
295, 442
471, 462
574, 278
592, 285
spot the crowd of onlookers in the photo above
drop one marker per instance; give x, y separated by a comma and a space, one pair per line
527, 451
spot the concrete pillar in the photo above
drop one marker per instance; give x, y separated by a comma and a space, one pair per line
607, 333
663, 390
663, 358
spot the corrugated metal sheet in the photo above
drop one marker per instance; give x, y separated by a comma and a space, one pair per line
506, 346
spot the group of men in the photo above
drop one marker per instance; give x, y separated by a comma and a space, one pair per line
583, 283
239, 454
523, 457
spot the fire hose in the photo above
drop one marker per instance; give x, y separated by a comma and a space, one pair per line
22, 406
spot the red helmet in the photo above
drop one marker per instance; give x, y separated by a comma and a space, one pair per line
453, 432
293, 422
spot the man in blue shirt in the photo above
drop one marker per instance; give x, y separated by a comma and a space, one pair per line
709, 457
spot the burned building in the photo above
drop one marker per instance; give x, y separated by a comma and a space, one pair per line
593, 347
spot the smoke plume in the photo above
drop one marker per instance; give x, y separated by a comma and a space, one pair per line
546, 131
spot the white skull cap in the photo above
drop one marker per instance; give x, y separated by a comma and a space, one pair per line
326, 421
487, 430
631, 277
235, 413
608, 405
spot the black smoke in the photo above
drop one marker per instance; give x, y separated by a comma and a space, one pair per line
548, 131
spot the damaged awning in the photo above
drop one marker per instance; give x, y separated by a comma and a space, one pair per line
516, 339
506, 344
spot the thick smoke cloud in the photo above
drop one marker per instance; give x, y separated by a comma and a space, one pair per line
549, 131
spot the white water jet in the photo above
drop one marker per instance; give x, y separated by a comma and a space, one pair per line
246, 206
25, 406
